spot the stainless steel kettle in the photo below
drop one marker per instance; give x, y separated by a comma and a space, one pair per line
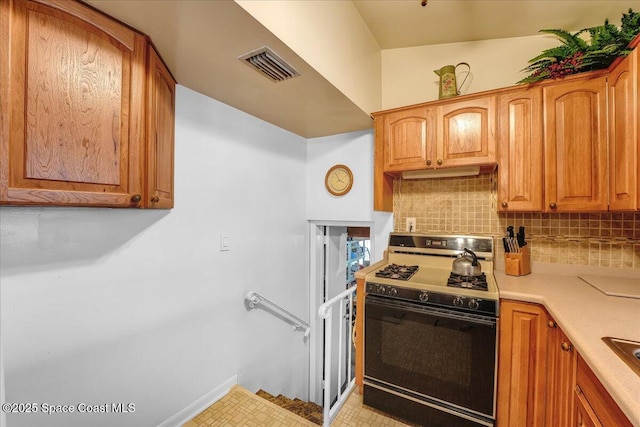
467, 264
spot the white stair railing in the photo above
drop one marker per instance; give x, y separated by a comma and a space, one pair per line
255, 300
346, 312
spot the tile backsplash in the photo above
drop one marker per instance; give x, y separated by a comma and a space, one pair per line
467, 205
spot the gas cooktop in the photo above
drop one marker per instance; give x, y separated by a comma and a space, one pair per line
419, 269
469, 282
395, 271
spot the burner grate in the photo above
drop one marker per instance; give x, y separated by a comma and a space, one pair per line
468, 282
399, 272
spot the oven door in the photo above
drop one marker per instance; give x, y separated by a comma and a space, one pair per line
443, 355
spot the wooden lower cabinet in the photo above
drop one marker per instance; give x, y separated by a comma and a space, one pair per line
584, 415
561, 374
542, 379
594, 406
522, 364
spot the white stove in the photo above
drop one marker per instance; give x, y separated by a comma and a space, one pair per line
430, 283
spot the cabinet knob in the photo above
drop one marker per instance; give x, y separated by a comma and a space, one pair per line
553, 205
155, 199
505, 204
551, 324
428, 162
439, 162
136, 198
566, 346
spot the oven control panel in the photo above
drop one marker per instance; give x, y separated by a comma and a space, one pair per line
440, 244
451, 301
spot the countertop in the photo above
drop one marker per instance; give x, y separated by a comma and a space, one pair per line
585, 315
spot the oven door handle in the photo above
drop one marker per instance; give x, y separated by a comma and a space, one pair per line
434, 311
470, 318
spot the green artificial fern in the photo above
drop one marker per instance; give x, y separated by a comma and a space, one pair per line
576, 55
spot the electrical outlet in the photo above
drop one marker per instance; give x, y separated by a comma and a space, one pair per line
411, 224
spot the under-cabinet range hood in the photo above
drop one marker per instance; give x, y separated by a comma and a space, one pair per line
442, 173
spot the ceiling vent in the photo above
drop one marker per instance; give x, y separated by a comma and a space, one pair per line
269, 64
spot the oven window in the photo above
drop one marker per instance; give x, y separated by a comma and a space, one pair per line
444, 358
451, 366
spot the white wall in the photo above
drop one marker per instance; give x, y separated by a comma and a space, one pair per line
354, 149
331, 36
133, 306
408, 77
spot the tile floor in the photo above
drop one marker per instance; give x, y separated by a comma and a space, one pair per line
243, 408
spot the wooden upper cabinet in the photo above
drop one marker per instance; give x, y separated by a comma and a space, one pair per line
442, 134
520, 150
408, 138
623, 140
75, 100
433, 135
467, 132
575, 134
160, 133
635, 66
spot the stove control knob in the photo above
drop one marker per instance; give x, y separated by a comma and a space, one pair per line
424, 297
474, 304
382, 290
458, 301
393, 292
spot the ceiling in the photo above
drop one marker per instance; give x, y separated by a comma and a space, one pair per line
200, 40
398, 24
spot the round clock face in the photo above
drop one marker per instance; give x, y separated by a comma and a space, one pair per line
338, 180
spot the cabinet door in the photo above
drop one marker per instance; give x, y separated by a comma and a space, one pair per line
576, 145
467, 132
635, 67
382, 182
520, 151
75, 110
408, 139
623, 143
561, 377
583, 412
590, 390
160, 134
522, 365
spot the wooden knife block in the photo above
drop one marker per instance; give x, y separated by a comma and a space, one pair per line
518, 264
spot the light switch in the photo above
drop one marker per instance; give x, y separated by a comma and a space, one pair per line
224, 242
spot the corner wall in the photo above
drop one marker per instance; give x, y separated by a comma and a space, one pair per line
354, 149
140, 306
408, 74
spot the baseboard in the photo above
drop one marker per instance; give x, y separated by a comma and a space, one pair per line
201, 404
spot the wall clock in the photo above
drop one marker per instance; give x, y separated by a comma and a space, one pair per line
338, 180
